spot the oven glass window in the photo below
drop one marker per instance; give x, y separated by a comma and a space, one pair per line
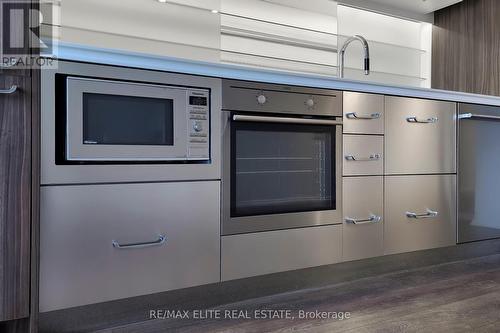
127, 120
281, 168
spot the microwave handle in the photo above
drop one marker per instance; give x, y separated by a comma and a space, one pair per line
285, 120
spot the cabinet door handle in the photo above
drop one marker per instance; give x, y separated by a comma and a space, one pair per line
415, 120
354, 115
427, 215
11, 90
160, 241
371, 219
372, 157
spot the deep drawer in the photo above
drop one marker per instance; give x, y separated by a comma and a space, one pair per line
420, 212
420, 136
363, 233
82, 226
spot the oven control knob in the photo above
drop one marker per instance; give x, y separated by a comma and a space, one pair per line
261, 99
310, 102
198, 126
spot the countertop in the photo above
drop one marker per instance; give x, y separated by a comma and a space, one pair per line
138, 60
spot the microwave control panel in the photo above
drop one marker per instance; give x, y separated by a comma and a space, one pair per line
198, 125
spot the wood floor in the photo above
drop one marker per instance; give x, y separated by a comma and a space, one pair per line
462, 296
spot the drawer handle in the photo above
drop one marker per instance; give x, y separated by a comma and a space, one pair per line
427, 215
160, 241
11, 90
372, 157
415, 120
354, 115
371, 219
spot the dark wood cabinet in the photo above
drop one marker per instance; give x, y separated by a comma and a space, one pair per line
15, 196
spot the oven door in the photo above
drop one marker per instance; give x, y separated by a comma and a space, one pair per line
280, 173
122, 121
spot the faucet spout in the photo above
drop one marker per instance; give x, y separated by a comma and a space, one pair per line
366, 49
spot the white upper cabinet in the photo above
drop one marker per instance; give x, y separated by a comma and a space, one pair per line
400, 49
186, 29
282, 34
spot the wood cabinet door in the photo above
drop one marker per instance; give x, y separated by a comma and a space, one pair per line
15, 196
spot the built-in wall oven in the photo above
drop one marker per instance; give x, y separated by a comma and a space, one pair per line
281, 157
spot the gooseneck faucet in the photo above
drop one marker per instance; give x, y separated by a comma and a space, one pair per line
342, 54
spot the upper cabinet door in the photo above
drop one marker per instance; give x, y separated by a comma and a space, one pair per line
183, 29
420, 136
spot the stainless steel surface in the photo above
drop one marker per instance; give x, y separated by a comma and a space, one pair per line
52, 173
234, 225
371, 219
284, 120
354, 115
363, 197
363, 155
243, 96
363, 113
414, 119
8, 91
366, 50
427, 215
276, 251
79, 265
478, 116
404, 194
415, 148
182, 148
478, 166
372, 157
138, 245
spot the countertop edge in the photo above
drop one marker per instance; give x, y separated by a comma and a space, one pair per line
75, 52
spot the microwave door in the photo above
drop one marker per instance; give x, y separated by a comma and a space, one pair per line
121, 121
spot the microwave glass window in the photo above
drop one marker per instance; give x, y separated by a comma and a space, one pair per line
282, 169
127, 120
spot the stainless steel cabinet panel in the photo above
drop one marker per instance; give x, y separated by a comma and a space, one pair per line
261, 253
363, 233
363, 113
420, 136
79, 263
431, 196
363, 155
244, 96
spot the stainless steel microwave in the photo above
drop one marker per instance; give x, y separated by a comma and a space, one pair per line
113, 121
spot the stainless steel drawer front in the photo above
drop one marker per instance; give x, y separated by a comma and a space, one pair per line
105, 242
420, 212
363, 113
363, 155
363, 229
276, 251
420, 136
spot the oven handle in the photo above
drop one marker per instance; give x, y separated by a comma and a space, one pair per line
284, 120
